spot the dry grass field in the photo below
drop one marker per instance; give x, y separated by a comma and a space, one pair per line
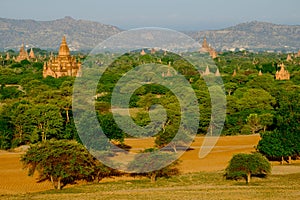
200, 178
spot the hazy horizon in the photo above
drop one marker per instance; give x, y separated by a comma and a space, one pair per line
186, 15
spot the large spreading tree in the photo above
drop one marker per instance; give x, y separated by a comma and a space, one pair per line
246, 165
63, 162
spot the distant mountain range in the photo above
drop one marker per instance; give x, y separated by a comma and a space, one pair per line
254, 36
85, 35
80, 34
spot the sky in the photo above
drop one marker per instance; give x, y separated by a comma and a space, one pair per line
181, 15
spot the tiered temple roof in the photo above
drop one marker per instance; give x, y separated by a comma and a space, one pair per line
62, 65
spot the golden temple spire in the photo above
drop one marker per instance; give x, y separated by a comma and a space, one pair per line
64, 49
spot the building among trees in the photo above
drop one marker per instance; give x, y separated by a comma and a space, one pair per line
7, 56
31, 54
282, 74
207, 48
62, 65
23, 55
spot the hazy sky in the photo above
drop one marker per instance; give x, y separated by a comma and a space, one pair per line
174, 14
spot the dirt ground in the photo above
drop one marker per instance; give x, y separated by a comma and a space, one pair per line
14, 179
216, 160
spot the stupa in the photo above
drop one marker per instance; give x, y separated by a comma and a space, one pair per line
282, 74
23, 55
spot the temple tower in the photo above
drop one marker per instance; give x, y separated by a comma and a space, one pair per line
62, 65
282, 74
23, 55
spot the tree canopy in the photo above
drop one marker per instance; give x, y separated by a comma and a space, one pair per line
63, 162
246, 165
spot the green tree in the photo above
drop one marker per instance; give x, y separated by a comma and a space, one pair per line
171, 126
147, 101
288, 118
246, 165
266, 120
274, 145
47, 120
230, 88
253, 121
256, 100
110, 128
62, 162
143, 164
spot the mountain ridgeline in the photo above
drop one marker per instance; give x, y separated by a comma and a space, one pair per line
85, 35
81, 34
254, 36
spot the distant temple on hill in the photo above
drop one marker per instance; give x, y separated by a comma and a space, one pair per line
207, 48
62, 65
282, 74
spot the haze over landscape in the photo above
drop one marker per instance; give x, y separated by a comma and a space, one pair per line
252, 25
189, 15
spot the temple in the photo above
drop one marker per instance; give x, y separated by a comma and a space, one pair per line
234, 73
207, 48
217, 73
7, 56
31, 54
143, 52
168, 73
62, 65
206, 72
23, 55
289, 58
282, 74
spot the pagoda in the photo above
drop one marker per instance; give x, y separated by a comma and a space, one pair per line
7, 56
143, 52
207, 48
207, 71
217, 73
31, 54
289, 58
62, 65
23, 55
282, 74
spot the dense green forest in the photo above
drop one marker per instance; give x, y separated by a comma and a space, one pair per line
34, 109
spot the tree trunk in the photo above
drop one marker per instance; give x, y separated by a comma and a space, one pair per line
290, 160
43, 136
174, 148
153, 177
59, 184
282, 160
52, 181
248, 178
67, 113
